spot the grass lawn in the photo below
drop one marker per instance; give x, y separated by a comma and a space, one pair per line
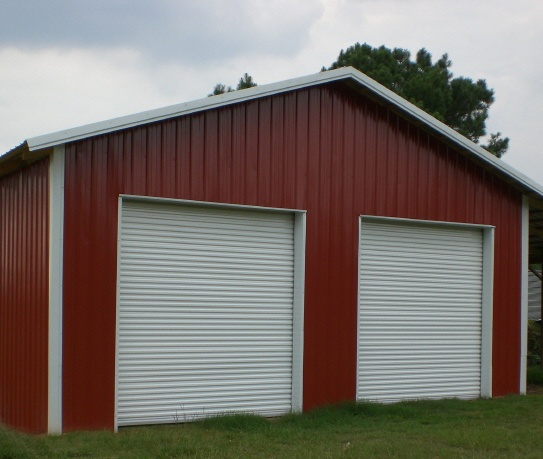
503, 427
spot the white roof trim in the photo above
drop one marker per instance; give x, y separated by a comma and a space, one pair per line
103, 127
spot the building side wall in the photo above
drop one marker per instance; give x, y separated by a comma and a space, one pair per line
24, 271
332, 153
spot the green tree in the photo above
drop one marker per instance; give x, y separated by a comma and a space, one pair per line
458, 102
220, 89
246, 81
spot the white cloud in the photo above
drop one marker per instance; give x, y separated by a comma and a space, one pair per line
49, 90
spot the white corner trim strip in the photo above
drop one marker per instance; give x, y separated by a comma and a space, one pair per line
56, 228
524, 260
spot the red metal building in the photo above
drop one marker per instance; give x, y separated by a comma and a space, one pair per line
267, 250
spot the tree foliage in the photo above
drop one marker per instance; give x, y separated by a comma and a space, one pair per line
220, 89
459, 102
246, 81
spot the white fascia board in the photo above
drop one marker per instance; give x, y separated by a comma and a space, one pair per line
345, 73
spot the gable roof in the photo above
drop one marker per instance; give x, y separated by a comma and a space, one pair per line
32, 147
36, 148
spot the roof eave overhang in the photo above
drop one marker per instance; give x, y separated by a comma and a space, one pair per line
20, 157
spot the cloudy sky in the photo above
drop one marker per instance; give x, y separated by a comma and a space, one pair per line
65, 63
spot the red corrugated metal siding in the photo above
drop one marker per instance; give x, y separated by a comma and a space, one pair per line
24, 297
323, 149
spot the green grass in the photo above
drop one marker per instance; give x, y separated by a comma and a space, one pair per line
497, 428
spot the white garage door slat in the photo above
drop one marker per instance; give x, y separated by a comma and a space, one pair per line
420, 310
205, 312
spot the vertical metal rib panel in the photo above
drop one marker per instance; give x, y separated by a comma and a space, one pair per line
24, 297
205, 313
420, 311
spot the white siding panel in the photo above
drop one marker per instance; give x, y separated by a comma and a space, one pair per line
420, 305
205, 312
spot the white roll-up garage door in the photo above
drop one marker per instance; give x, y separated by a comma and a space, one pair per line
420, 310
205, 312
